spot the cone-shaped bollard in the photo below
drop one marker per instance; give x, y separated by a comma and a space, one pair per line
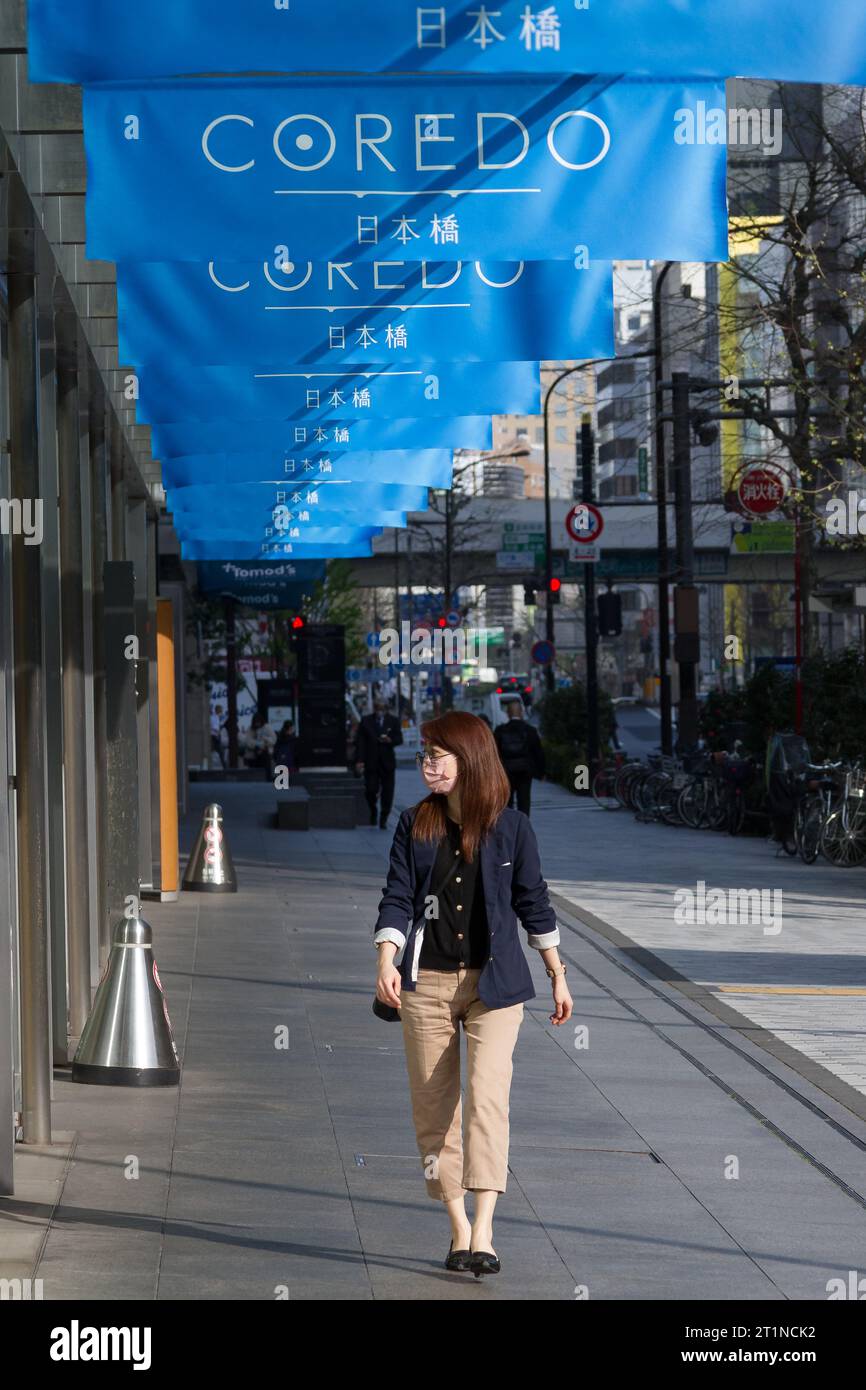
210, 868
127, 1039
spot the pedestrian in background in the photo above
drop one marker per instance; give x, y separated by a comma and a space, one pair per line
379, 734
286, 746
258, 744
464, 867
521, 753
216, 734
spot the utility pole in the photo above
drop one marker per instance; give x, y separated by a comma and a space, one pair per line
231, 680
447, 690
687, 641
664, 611
587, 462
397, 615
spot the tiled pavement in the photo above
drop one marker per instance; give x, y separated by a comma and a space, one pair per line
679, 1156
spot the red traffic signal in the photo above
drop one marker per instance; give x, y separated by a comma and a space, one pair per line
555, 586
297, 621
442, 623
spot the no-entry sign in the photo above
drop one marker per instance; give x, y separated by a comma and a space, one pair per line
760, 492
584, 523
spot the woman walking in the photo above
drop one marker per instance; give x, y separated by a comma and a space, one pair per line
463, 868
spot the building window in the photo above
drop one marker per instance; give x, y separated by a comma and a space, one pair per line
560, 435
522, 434
539, 435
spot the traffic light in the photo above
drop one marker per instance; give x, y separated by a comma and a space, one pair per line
609, 614
529, 595
297, 622
555, 586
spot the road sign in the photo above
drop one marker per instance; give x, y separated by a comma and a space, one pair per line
642, 473
543, 652
373, 640
453, 619
513, 560
353, 674
583, 554
584, 523
760, 491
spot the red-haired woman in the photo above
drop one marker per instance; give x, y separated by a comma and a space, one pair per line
463, 868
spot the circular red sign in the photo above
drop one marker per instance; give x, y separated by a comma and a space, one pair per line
760, 491
584, 523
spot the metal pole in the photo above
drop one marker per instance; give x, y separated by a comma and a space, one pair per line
664, 611
397, 616
549, 616
587, 460
449, 541
118, 489
74, 700
798, 628
687, 632
231, 680
27, 640
99, 535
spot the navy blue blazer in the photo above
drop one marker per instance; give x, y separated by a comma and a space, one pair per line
513, 888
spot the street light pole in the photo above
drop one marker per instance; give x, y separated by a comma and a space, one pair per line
550, 679
664, 612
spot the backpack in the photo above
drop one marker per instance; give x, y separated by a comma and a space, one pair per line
513, 741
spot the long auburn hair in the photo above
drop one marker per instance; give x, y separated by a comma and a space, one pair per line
484, 788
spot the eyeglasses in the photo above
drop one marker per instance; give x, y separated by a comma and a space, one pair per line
431, 759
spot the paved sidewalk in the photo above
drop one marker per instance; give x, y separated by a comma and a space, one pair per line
804, 985
296, 1169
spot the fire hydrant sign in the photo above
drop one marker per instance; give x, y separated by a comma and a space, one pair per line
760, 491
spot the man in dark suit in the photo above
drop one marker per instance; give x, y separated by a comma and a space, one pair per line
379, 734
520, 753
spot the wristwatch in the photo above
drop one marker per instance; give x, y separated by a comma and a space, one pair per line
561, 971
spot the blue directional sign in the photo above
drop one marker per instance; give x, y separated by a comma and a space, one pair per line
91, 40
315, 396
346, 315
334, 169
272, 436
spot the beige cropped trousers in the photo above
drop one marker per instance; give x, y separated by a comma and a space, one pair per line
431, 1017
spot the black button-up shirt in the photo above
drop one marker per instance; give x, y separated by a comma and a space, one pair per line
458, 936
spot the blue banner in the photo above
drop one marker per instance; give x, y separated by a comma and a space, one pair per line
289, 523
90, 40
425, 393
421, 468
341, 499
262, 531
276, 551
260, 585
345, 315
359, 168
271, 436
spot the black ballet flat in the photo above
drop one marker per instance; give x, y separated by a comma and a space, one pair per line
458, 1259
484, 1262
